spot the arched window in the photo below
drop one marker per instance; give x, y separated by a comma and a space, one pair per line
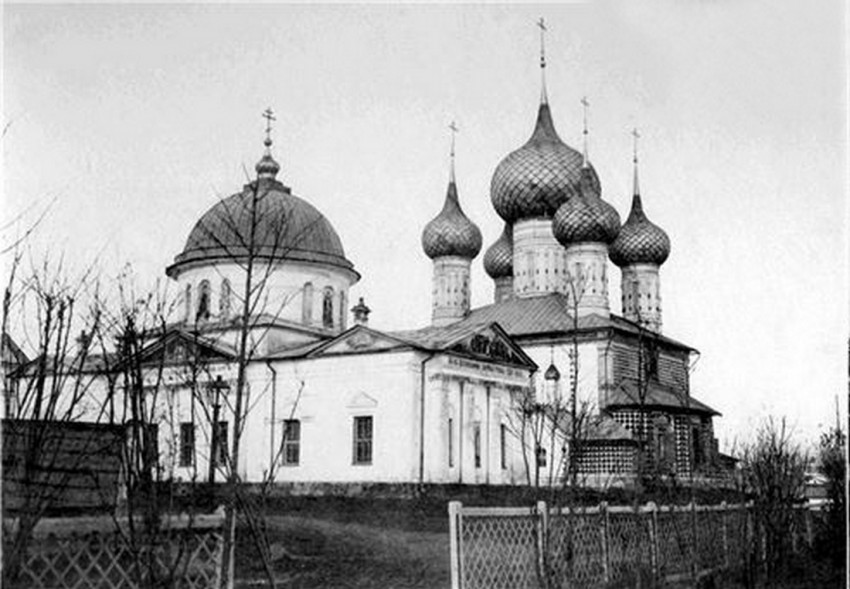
307, 304
224, 300
328, 308
203, 301
188, 302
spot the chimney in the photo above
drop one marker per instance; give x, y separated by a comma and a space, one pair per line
361, 313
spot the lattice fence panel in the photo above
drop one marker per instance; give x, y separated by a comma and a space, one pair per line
576, 549
187, 559
500, 552
710, 552
676, 548
738, 536
628, 545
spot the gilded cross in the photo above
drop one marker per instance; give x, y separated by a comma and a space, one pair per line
269, 116
542, 25
636, 136
585, 103
454, 129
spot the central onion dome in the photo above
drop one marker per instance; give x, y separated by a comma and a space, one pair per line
286, 227
499, 258
451, 233
536, 179
640, 240
586, 217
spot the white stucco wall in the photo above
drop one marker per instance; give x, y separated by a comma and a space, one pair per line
283, 295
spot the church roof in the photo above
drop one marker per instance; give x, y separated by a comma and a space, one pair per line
627, 394
523, 317
483, 341
287, 228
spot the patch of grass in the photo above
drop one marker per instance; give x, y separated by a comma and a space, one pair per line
315, 552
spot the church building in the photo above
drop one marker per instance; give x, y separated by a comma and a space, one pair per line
544, 382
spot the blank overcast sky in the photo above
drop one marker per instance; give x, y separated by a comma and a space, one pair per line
137, 118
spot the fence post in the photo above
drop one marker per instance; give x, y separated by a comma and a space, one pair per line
724, 520
695, 539
542, 530
653, 540
603, 511
455, 547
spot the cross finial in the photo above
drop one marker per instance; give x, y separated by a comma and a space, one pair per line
269, 116
636, 136
454, 129
585, 104
542, 25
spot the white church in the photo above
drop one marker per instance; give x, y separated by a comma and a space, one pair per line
333, 400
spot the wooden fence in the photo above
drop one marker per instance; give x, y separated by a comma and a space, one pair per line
103, 552
600, 546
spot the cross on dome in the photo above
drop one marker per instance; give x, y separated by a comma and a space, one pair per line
585, 103
268, 114
454, 129
267, 168
544, 99
636, 136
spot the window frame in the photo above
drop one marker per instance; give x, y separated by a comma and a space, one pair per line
186, 456
291, 443
363, 440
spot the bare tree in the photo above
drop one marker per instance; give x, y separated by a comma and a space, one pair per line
774, 469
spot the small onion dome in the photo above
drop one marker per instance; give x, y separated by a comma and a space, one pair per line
536, 179
640, 240
451, 233
586, 217
267, 167
499, 258
552, 373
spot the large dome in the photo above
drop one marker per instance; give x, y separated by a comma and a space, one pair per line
287, 228
536, 179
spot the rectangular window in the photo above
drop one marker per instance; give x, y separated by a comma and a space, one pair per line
187, 444
451, 444
362, 451
476, 443
503, 444
219, 444
291, 442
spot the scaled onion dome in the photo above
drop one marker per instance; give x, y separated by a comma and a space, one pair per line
286, 228
451, 233
499, 257
536, 179
586, 217
640, 240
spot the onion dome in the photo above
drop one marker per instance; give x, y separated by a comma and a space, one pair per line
640, 240
499, 258
537, 178
451, 233
586, 217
